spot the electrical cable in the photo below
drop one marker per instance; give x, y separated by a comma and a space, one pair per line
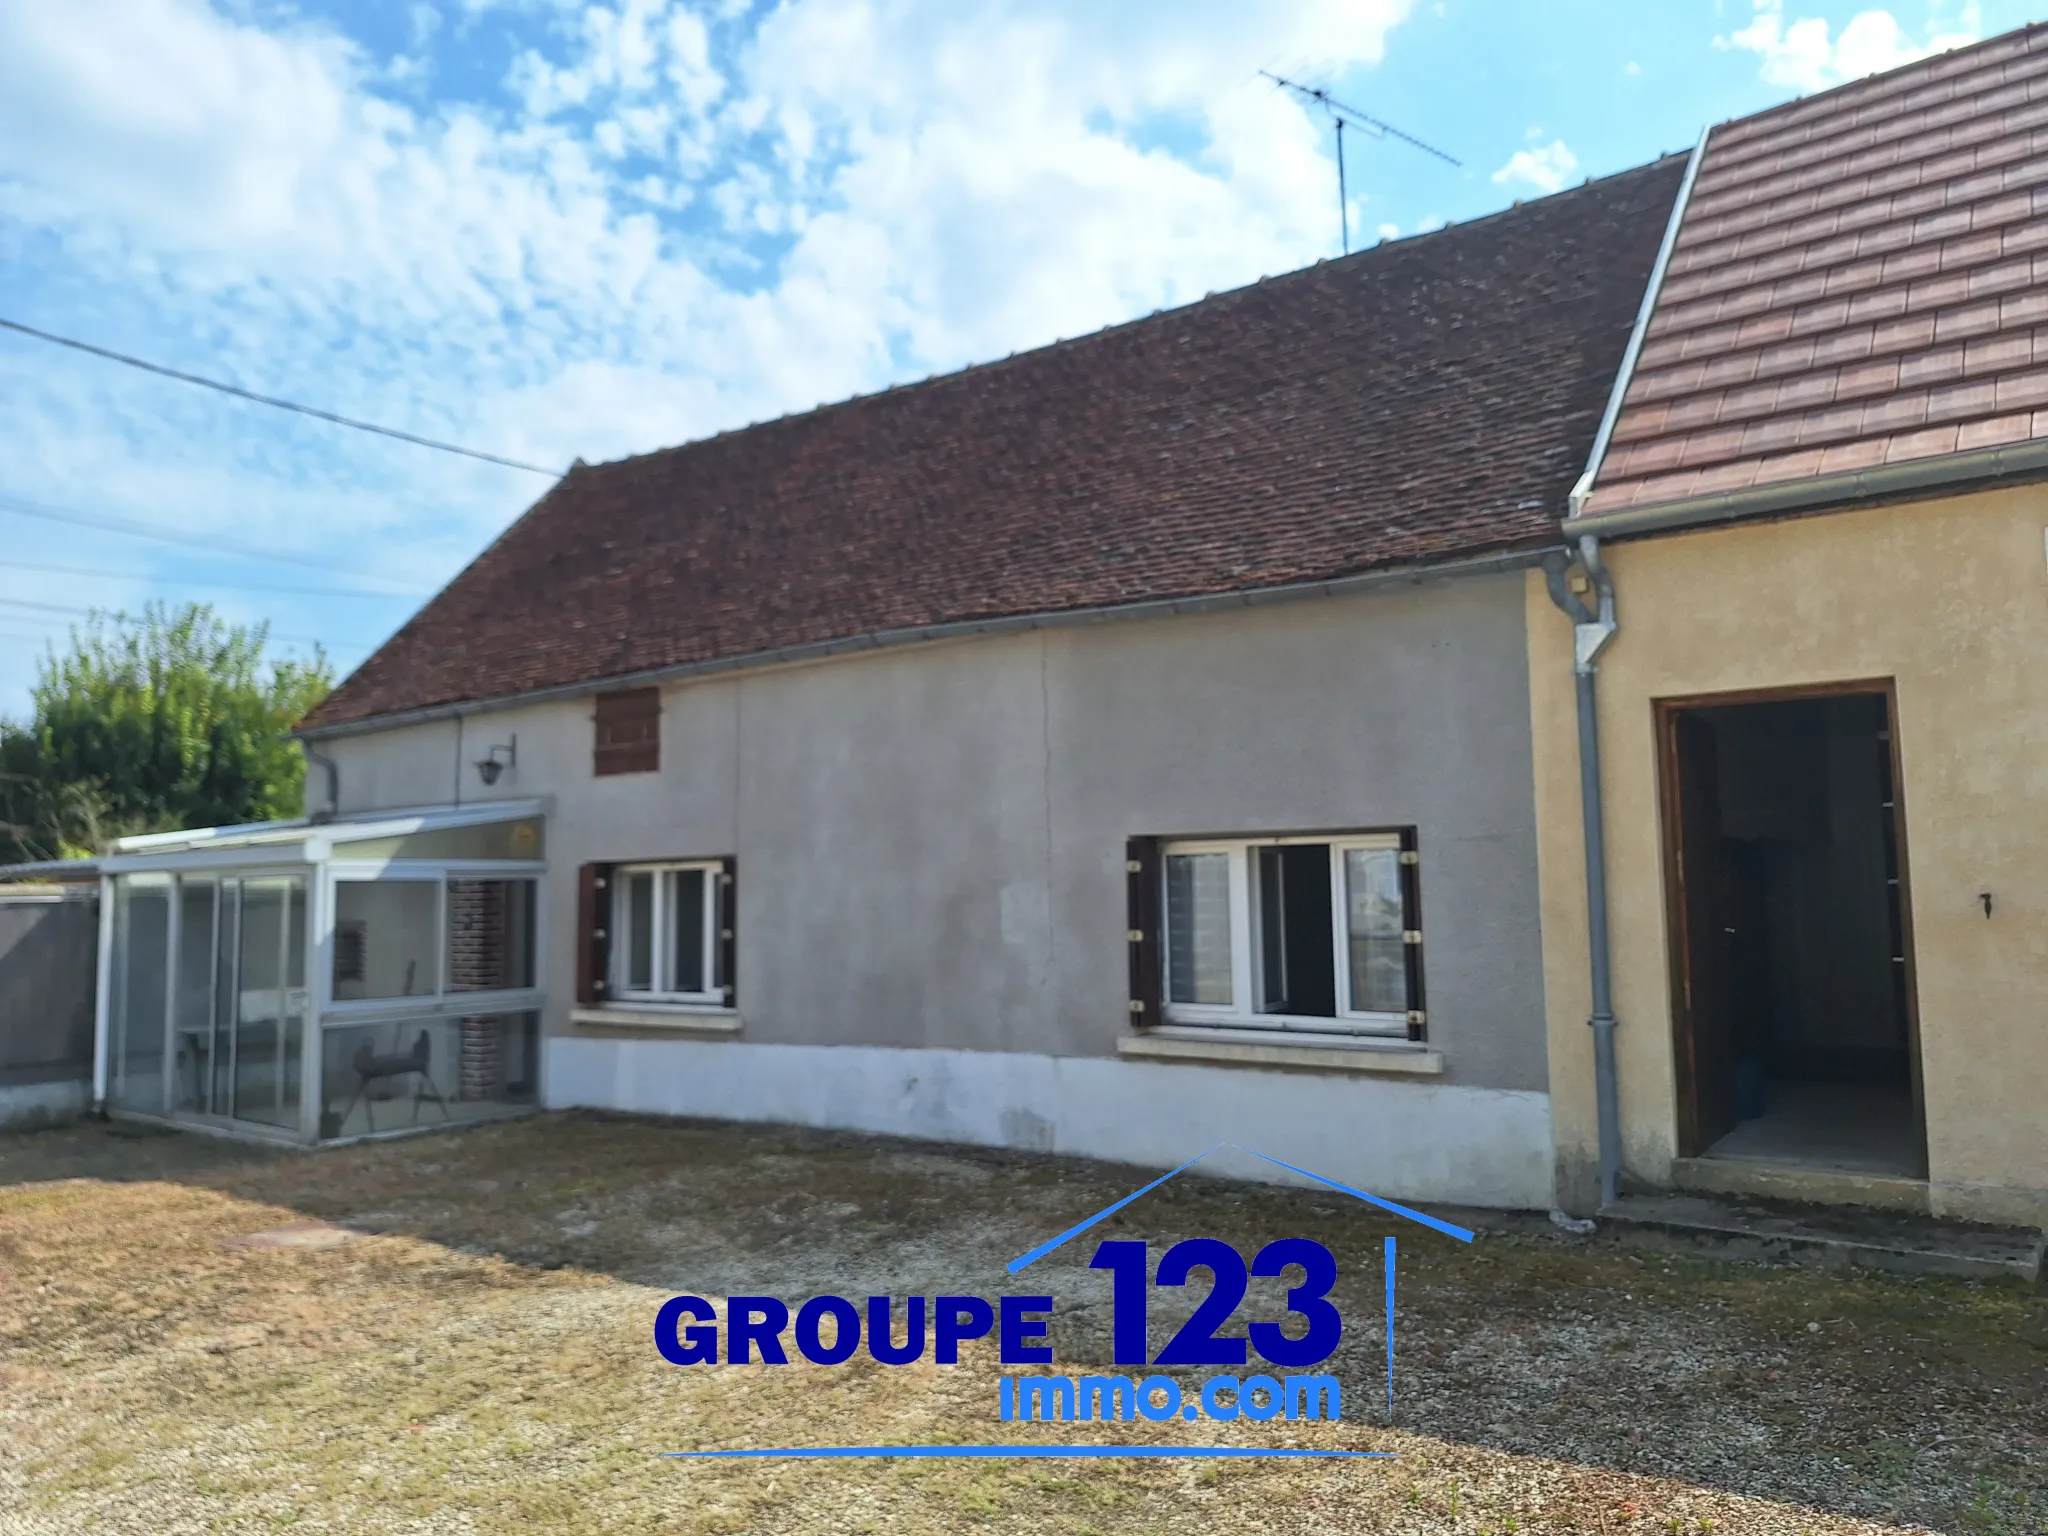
207, 585
23, 507
61, 608
272, 400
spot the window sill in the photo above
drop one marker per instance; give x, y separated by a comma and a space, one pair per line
684, 1017
1398, 1058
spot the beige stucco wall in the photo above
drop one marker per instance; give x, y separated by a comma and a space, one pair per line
1950, 599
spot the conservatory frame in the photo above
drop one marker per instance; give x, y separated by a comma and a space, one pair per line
291, 876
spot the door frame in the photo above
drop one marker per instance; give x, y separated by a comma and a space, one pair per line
1678, 956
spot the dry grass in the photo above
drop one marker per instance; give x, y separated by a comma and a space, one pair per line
485, 1364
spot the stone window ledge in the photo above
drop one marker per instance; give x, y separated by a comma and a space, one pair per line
1396, 1058
676, 1017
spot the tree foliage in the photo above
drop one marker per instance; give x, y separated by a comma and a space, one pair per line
144, 724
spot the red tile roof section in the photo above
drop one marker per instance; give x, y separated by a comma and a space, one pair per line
1426, 399
1860, 278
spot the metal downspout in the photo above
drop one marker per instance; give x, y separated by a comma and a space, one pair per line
318, 759
1592, 629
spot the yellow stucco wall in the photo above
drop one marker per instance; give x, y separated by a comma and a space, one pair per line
1950, 598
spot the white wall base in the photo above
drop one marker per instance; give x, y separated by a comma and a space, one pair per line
32, 1104
1400, 1139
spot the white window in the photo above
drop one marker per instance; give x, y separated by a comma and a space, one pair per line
1297, 933
665, 933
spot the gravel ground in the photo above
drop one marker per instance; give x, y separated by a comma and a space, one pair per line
482, 1361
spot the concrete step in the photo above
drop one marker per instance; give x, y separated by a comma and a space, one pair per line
1776, 1231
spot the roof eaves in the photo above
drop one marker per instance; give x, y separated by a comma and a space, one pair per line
1977, 469
1511, 559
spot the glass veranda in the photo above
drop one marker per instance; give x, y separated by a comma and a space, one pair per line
387, 981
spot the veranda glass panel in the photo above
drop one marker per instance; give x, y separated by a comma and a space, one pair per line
490, 934
1198, 928
386, 939
1378, 958
399, 1074
270, 1002
194, 1040
141, 974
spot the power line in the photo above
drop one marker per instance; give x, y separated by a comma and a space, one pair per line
24, 508
207, 585
86, 613
272, 400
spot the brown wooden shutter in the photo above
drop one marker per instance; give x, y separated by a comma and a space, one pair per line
1141, 903
728, 931
1411, 925
593, 939
628, 732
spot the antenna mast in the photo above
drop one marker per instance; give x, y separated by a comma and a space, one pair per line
1343, 116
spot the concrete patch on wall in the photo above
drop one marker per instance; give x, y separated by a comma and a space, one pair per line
28, 1105
1401, 1139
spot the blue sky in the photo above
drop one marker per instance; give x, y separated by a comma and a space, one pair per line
553, 230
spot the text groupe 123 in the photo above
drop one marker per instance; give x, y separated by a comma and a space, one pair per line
686, 1332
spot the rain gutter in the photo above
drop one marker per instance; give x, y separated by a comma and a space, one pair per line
1887, 482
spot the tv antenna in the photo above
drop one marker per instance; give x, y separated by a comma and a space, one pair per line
1344, 117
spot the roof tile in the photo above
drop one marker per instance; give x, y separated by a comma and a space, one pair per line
1423, 400
1993, 431
1928, 443
1842, 458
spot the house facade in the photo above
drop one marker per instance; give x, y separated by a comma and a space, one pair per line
1116, 750
1823, 712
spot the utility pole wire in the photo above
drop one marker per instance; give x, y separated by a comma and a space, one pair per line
87, 613
272, 400
21, 507
209, 584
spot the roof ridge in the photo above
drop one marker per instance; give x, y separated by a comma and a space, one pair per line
1794, 153
1117, 327
1951, 59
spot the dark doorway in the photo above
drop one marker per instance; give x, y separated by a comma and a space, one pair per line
1792, 988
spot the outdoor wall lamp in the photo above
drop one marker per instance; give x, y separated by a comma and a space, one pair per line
491, 764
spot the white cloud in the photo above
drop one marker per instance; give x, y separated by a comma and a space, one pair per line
1546, 167
1804, 55
1631, 68
664, 219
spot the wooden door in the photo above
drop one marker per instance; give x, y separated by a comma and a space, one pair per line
1705, 911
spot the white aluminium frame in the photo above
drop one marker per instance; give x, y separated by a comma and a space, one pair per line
662, 961
291, 1002
1246, 1009
441, 1002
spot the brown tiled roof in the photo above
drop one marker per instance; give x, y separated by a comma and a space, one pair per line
1859, 278
1424, 400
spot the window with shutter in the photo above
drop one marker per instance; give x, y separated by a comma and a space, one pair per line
628, 732
1316, 933
670, 933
